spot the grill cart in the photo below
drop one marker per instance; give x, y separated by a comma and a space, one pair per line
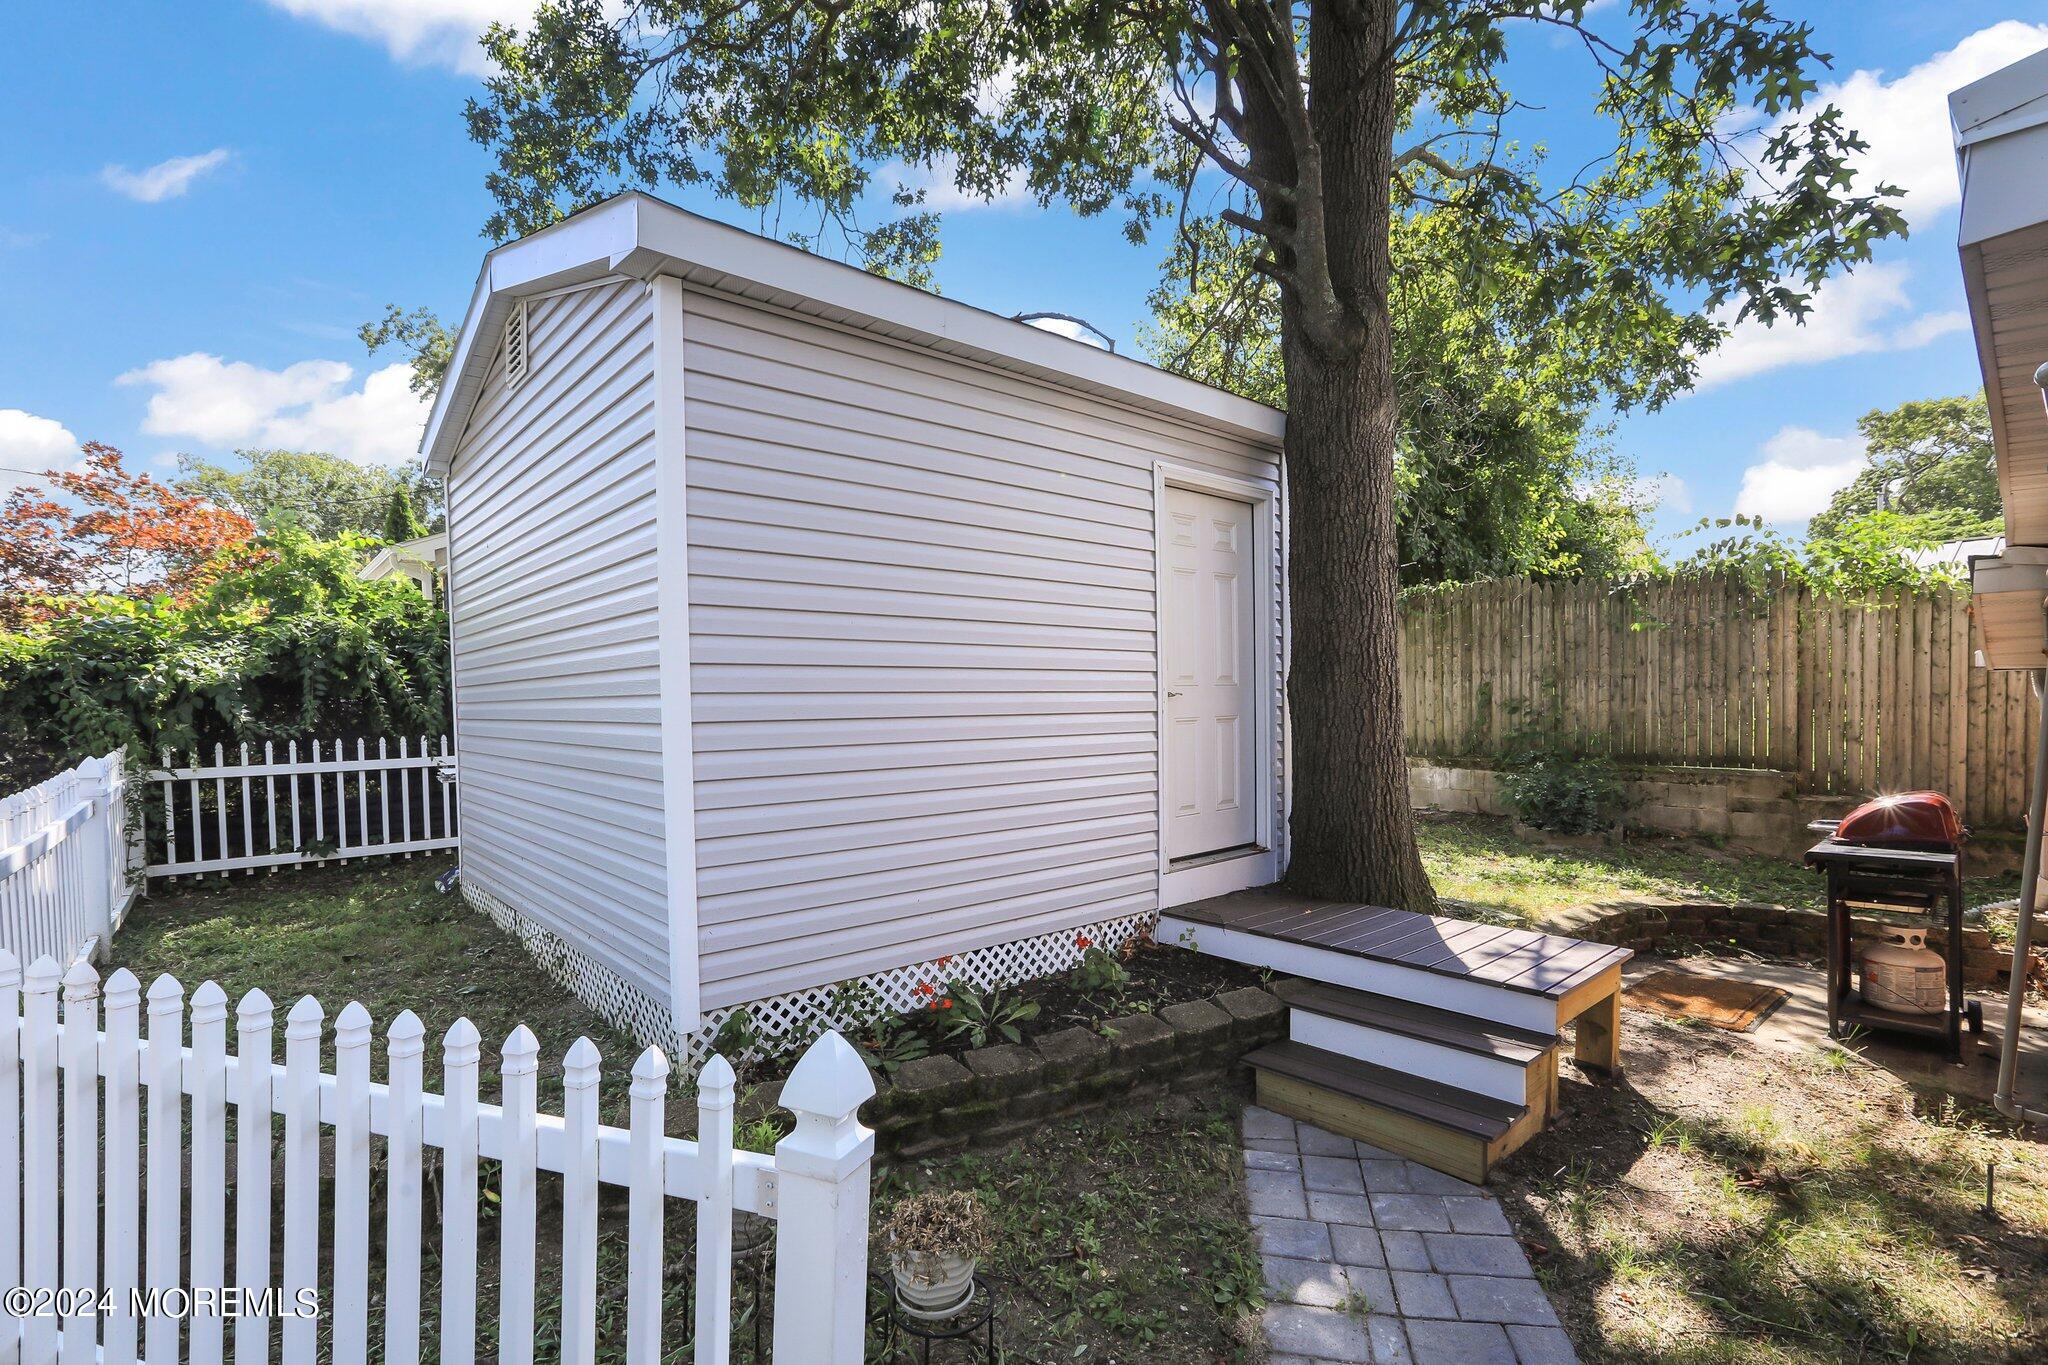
1897, 862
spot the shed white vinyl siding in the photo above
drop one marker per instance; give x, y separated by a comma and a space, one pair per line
551, 512
923, 649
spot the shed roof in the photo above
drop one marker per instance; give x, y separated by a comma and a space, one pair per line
634, 235
2001, 134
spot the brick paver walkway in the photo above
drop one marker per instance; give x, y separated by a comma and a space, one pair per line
1370, 1258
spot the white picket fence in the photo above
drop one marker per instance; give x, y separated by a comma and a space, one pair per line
65, 857
269, 809
69, 1234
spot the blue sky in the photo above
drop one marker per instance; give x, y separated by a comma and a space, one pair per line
200, 203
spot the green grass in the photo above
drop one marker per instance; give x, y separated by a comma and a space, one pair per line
1479, 862
1121, 1235
377, 933
1751, 1206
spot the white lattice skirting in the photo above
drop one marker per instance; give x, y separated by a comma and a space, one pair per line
632, 1010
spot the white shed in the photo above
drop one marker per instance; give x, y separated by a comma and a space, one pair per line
809, 627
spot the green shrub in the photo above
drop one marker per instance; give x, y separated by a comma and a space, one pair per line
1558, 781
285, 644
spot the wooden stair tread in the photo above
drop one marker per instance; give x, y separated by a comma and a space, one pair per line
1447, 1106
1519, 960
1426, 1023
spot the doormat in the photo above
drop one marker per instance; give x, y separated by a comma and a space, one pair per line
1722, 1001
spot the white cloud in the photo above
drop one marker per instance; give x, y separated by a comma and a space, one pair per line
304, 406
1800, 471
942, 194
439, 32
1905, 120
1855, 314
29, 442
165, 180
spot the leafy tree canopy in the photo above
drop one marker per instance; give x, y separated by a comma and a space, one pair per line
402, 518
1123, 106
102, 531
1497, 471
1931, 465
323, 495
429, 345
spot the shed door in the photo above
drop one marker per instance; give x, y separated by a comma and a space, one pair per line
1207, 653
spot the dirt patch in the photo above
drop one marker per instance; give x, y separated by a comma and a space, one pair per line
1729, 1202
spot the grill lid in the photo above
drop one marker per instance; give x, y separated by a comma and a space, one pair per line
1907, 820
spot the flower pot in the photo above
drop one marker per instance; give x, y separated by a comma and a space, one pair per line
932, 1285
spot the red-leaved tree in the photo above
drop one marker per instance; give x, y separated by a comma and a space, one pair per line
100, 530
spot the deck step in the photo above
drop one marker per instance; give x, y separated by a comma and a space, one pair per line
1457, 1131
1478, 999
1445, 1028
1479, 1055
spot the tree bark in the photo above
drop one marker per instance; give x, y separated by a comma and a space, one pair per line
1353, 834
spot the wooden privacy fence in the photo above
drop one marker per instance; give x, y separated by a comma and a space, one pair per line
65, 855
115, 1232
1850, 693
253, 810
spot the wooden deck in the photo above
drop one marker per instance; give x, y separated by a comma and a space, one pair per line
1512, 959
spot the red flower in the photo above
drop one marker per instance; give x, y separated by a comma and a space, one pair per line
925, 989
947, 1003
1083, 942
944, 960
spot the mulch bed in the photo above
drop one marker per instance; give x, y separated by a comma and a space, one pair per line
1160, 976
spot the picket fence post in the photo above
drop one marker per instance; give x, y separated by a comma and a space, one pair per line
821, 1233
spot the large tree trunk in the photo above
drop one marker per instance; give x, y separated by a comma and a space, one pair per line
1353, 832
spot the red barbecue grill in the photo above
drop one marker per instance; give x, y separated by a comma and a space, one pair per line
1896, 861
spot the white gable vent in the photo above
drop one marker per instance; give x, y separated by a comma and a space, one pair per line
515, 344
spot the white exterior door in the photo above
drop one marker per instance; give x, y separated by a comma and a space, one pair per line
1208, 623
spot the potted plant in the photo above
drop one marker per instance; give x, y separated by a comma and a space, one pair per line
936, 1238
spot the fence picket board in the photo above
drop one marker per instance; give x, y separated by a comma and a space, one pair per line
459, 1054
301, 1171
579, 1203
122, 1243
646, 1204
81, 1079
39, 1174
254, 1028
248, 836
164, 1214
405, 1044
715, 1082
350, 1310
10, 1142
206, 1251
519, 1203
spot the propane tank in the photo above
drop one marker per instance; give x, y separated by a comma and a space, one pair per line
1904, 974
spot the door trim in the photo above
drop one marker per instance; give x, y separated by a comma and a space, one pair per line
1256, 866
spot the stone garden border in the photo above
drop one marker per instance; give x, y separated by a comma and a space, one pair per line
942, 1104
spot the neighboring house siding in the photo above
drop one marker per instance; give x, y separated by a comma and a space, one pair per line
922, 647
551, 514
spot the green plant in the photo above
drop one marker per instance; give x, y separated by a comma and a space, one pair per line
1559, 781
980, 1018
1098, 972
736, 1038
